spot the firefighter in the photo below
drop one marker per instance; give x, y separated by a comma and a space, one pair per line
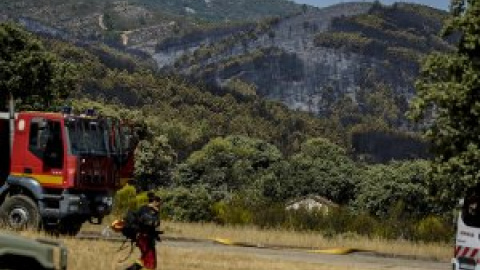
149, 221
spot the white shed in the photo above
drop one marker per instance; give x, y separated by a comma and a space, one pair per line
311, 202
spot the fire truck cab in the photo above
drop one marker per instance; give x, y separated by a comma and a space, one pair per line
61, 170
467, 242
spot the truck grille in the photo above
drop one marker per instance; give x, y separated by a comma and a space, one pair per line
92, 180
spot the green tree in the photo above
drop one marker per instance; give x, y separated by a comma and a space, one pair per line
29, 74
319, 168
323, 168
228, 164
154, 161
385, 188
190, 205
449, 99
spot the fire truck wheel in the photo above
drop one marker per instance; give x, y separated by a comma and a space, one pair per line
20, 212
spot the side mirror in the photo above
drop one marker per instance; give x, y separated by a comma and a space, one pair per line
457, 212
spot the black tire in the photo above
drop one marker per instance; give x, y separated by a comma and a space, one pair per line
20, 212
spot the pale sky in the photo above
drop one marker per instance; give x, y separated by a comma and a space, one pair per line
441, 4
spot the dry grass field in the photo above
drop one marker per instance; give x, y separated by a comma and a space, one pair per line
87, 254
99, 254
312, 240
179, 258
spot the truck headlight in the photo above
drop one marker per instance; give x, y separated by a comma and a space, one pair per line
108, 200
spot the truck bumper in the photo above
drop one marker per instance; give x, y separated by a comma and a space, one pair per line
95, 205
465, 264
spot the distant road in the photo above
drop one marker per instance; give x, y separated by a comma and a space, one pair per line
357, 260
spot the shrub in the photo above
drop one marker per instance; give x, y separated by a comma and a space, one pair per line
125, 200
337, 221
363, 224
231, 213
304, 219
190, 205
433, 229
269, 216
141, 199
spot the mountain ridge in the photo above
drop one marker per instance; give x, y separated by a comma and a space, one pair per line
349, 64
301, 59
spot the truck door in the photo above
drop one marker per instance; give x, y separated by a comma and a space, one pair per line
467, 247
45, 155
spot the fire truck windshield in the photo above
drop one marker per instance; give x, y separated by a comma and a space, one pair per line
87, 137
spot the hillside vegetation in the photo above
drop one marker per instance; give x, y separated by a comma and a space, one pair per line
355, 63
357, 91
187, 114
402, 32
139, 21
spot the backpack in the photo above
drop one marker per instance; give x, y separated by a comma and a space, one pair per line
131, 225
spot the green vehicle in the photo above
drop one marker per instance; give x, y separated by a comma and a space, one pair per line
18, 252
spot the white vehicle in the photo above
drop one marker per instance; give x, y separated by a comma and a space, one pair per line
467, 243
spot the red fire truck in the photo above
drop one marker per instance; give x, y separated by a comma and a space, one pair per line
59, 170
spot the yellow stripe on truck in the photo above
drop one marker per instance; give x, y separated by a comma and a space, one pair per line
43, 179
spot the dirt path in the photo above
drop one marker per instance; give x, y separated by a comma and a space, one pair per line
359, 260
124, 36
101, 23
